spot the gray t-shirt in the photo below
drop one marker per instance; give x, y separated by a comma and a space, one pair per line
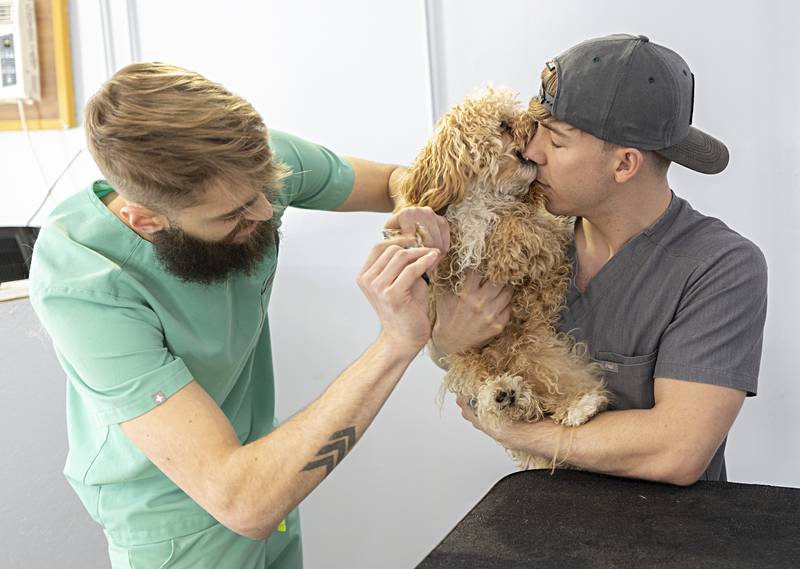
685, 299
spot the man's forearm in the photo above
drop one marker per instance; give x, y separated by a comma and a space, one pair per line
395, 181
272, 475
634, 443
375, 186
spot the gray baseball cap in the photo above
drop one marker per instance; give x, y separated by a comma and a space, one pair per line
629, 91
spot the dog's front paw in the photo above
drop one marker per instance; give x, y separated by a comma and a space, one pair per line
583, 409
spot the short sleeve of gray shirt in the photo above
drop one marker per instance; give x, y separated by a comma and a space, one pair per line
685, 299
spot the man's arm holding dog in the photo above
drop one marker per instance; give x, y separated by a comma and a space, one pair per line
250, 488
672, 442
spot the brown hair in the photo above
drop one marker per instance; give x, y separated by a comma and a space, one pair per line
160, 134
659, 164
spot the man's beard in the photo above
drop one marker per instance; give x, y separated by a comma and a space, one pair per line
207, 262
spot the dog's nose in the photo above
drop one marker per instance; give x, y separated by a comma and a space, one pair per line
522, 158
530, 152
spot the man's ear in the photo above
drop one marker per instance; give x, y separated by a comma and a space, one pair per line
628, 162
143, 219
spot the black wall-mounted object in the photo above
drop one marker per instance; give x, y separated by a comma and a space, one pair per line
16, 248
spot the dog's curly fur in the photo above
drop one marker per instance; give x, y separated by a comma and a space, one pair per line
471, 171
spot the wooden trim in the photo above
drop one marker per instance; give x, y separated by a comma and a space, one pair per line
64, 85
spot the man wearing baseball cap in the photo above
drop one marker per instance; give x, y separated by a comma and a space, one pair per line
670, 302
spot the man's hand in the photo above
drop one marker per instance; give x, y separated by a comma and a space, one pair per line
518, 435
468, 412
471, 319
391, 282
432, 229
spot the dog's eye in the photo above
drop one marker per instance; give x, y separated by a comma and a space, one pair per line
505, 127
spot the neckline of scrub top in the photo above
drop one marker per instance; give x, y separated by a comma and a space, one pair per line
612, 273
102, 186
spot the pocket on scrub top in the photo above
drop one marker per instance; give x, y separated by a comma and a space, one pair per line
157, 555
629, 378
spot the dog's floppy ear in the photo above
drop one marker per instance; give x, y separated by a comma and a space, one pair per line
437, 177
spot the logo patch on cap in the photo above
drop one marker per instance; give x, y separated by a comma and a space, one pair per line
159, 397
544, 97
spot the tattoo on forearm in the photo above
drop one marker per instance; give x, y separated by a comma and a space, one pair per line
334, 452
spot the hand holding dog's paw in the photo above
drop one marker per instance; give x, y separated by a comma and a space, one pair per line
390, 279
424, 225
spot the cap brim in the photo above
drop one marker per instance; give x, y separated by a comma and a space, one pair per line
698, 151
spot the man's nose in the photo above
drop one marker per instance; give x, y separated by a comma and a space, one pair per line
533, 148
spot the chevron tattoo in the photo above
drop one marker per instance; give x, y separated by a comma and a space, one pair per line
334, 452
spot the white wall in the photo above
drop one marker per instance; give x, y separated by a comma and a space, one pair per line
353, 75
41, 517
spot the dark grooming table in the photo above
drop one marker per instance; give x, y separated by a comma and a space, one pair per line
576, 520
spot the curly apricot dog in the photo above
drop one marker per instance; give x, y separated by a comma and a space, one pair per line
473, 173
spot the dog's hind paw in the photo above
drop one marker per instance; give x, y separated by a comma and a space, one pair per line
505, 397
497, 399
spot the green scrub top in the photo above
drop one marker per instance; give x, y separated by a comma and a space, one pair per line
129, 335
